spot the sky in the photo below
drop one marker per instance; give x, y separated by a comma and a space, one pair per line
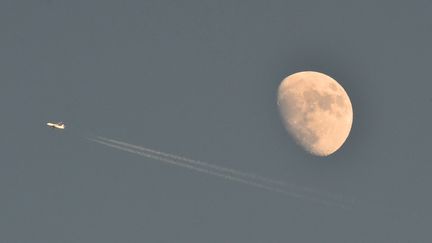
199, 79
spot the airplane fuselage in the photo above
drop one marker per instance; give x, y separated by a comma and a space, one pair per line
56, 125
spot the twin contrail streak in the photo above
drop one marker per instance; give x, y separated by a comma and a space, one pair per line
203, 167
221, 169
198, 162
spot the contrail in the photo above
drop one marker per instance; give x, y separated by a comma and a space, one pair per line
226, 170
218, 174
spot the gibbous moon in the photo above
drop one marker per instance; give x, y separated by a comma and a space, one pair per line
316, 111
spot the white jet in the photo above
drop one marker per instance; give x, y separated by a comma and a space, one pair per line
59, 125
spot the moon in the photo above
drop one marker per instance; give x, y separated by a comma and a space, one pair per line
316, 111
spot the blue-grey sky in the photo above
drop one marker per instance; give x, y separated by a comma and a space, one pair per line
199, 79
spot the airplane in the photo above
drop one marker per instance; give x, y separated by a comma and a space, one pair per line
59, 125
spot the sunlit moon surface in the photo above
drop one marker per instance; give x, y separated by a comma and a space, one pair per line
316, 111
